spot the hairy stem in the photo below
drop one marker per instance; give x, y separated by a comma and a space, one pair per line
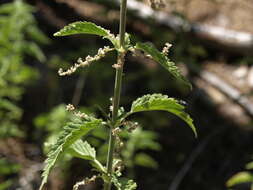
117, 91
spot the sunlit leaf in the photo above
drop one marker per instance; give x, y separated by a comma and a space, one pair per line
163, 60
87, 28
84, 150
82, 28
241, 177
70, 134
163, 103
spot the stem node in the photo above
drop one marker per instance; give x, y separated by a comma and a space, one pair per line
117, 91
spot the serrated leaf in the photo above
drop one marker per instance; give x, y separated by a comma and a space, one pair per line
82, 28
70, 134
87, 28
163, 60
84, 150
163, 103
241, 177
124, 184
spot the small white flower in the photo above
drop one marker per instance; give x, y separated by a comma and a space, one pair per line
166, 48
88, 60
70, 107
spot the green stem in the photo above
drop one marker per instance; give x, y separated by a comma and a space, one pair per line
117, 91
122, 27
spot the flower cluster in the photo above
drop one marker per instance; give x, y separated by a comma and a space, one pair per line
120, 62
140, 54
86, 181
70, 107
131, 126
119, 143
166, 48
79, 114
88, 60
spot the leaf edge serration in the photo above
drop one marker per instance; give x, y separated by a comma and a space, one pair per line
160, 102
71, 132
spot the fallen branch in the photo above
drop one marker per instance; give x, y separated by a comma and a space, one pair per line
220, 37
228, 90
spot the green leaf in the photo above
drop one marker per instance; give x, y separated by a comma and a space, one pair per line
37, 35
241, 177
70, 134
145, 160
84, 150
9, 8
163, 60
7, 168
123, 184
9, 107
83, 28
249, 166
87, 28
34, 50
162, 102
6, 184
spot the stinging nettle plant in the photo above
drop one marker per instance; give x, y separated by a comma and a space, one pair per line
71, 138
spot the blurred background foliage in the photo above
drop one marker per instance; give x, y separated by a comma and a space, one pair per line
33, 99
20, 36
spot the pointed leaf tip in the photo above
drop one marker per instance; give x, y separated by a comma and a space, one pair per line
156, 102
163, 60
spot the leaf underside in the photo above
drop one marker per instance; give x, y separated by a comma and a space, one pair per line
82, 149
71, 133
163, 60
162, 103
